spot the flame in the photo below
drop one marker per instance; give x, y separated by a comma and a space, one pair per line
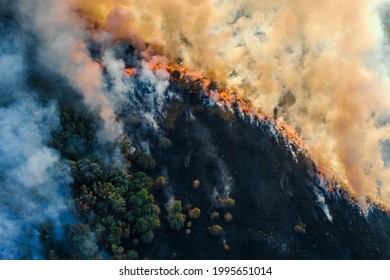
228, 99
287, 131
150, 26
130, 71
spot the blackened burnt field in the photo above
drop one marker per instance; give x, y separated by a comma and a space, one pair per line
280, 212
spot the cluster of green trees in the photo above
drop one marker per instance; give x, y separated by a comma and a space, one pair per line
121, 205
115, 205
176, 218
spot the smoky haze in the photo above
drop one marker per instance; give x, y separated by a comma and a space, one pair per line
34, 179
318, 65
46, 60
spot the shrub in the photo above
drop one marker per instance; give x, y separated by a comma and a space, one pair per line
214, 215
164, 143
228, 217
160, 182
196, 183
147, 237
176, 220
146, 162
226, 203
216, 230
132, 255
194, 213
300, 228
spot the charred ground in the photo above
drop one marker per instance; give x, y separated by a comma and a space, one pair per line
277, 213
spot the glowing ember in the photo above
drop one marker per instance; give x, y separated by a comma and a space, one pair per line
130, 71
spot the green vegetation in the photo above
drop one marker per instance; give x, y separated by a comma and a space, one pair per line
143, 161
188, 207
83, 244
164, 143
132, 255
300, 228
160, 182
123, 206
176, 218
116, 206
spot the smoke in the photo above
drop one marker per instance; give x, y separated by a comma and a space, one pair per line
64, 50
318, 65
42, 39
147, 98
33, 177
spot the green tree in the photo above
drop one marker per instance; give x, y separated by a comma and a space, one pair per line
110, 198
119, 252
176, 206
132, 255
160, 182
120, 179
300, 228
164, 143
86, 171
145, 161
176, 220
147, 237
141, 181
83, 242
141, 226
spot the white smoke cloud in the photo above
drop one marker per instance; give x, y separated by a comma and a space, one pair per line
33, 178
119, 84
64, 50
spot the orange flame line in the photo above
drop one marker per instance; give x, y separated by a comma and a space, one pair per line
224, 97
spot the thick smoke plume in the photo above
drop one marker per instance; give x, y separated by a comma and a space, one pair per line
317, 65
33, 178
64, 50
40, 40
